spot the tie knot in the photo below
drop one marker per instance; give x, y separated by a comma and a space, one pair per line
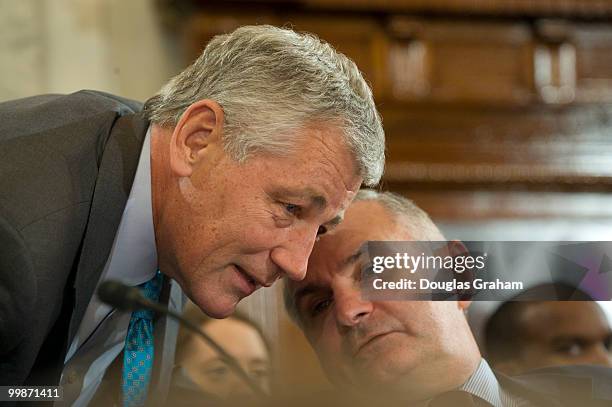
150, 290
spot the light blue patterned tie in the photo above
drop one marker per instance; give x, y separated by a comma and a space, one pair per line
138, 351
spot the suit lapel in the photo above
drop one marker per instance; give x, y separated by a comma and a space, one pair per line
115, 177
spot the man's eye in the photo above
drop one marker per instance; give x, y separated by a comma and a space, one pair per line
322, 230
608, 343
292, 209
320, 306
216, 372
570, 349
260, 373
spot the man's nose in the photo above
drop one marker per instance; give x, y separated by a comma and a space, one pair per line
350, 307
237, 389
292, 255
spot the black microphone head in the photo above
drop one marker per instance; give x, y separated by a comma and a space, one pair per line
120, 296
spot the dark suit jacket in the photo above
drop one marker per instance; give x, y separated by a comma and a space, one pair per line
67, 164
568, 386
575, 386
583, 386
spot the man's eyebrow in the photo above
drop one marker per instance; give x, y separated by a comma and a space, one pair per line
304, 291
335, 221
352, 259
308, 289
310, 194
259, 361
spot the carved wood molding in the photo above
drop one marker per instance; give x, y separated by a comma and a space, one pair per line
487, 174
574, 8
468, 206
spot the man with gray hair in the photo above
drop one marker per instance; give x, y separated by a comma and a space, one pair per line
408, 352
221, 184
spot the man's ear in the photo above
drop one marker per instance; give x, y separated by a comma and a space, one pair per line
464, 304
457, 248
200, 126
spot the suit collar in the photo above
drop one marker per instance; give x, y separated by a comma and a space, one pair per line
133, 257
115, 177
483, 384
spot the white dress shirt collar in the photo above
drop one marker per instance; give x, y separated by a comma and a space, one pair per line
484, 384
133, 257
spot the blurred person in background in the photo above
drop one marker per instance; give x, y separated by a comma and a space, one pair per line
409, 352
198, 366
524, 334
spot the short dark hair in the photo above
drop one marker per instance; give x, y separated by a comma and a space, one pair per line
502, 334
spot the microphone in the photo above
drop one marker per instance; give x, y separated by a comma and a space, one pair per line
126, 298
121, 296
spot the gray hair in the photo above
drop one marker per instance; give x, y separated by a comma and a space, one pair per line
413, 219
272, 82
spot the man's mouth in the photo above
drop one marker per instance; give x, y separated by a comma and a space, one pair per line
258, 282
246, 275
369, 340
249, 284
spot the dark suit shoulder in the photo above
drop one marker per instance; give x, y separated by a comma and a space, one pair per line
51, 147
599, 378
18, 289
39, 113
569, 385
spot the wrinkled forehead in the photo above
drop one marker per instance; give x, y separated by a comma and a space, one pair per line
312, 177
330, 148
338, 251
329, 262
334, 252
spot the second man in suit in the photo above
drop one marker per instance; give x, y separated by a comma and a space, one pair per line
408, 352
